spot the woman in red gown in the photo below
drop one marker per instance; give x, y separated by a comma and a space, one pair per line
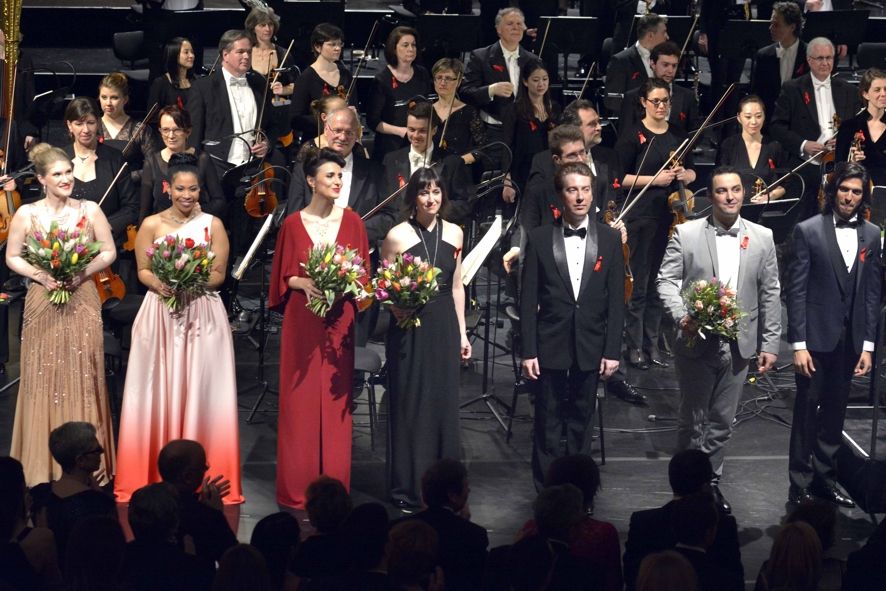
316, 354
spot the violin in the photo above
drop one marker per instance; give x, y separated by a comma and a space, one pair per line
680, 202
261, 199
609, 217
111, 289
131, 233
11, 201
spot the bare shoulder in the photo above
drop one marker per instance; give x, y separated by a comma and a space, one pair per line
453, 234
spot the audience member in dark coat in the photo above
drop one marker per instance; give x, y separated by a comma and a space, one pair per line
322, 555
865, 568
182, 464
794, 562
277, 537
694, 523
462, 544
650, 531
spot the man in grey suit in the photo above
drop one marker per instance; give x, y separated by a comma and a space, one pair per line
712, 373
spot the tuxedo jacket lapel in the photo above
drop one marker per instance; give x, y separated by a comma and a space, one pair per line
860, 260
710, 238
742, 254
358, 180
591, 249
498, 65
224, 102
559, 248
811, 105
637, 62
830, 236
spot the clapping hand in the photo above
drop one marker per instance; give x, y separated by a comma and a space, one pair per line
213, 491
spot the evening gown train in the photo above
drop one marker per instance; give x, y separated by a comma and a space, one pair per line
180, 384
62, 374
316, 367
423, 380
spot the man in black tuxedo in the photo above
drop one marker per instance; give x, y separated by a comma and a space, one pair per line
664, 60
630, 68
785, 59
462, 549
572, 314
400, 165
361, 178
805, 111
225, 106
689, 473
833, 296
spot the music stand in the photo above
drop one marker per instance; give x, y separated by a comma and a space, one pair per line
741, 39
678, 28
876, 29
448, 35
842, 27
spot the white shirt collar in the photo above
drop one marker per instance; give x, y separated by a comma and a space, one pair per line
816, 83
227, 75
717, 223
584, 223
349, 163
508, 53
426, 157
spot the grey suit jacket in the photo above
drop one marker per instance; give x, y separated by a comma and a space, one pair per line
692, 255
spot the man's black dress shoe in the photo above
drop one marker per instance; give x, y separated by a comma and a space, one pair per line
637, 359
657, 359
626, 392
721, 502
798, 496
832, 494
405, 507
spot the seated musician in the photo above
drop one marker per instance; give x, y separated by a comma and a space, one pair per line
174, 84
118, 129
808, 112
465, 129
664, 60
631, 67
751, 153
861, 138
785, 59
400, 165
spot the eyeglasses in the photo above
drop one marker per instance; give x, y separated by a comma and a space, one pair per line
446, 79
822, 59
658, 102
343, 131
171, 130
845, 189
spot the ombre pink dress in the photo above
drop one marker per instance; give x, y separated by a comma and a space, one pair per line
180, 384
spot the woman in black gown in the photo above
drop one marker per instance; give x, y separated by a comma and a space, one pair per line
871, 125
95, 166
649, 219
175, 128
465, 129
117, 129
325, 77
393, 88
423, 362
754, 155
172, 87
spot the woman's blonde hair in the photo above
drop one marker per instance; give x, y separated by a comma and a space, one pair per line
44, 155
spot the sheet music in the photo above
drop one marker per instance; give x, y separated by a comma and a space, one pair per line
472, 261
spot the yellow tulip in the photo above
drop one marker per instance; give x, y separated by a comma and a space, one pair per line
74, 258
55, 246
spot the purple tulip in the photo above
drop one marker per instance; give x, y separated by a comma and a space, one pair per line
79, 249
358, 261
61, 235
167, 254
381, 295
150, 252
179, 249
407, 258
38, 236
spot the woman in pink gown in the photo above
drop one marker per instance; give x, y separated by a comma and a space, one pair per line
180, 381
316, 354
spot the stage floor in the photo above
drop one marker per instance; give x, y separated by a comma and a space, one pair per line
637, 451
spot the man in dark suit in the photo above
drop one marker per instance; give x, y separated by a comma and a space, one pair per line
694, 521
804, 120
784, 60
630, 68
400, 165
572, 314
361, 180
462, 549
664, 60
833, 296
689, 473
225, 106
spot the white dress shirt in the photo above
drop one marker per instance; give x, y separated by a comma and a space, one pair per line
243, 116
824, 105
728, 254
787, 57
826, 6
513, 67
575, 255
347, 175
645, 56
418, 160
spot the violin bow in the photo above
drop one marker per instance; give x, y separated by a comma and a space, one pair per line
384, 202
636, 176
280, 65
545, 37
139, 128
587, 79
113, 182
214, 64
361, 61
442, 143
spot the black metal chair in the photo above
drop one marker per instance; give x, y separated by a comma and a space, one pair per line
368, 365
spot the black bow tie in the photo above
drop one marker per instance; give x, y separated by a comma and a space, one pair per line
853, 223
581, 232
730, 232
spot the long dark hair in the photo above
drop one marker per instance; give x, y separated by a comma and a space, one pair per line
843, 171
418, 182
523, 105
171, 51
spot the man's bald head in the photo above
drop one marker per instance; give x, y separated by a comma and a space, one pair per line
182, 462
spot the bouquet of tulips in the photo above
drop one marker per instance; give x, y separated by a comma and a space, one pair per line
714, 307
336, 271
408, 282
183, 265
62, 254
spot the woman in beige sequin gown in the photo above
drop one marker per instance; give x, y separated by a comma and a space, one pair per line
62, 352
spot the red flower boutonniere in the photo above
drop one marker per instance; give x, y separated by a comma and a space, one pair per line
744, 242
180, 102
635, 75
771, 164
457, 252
555, 212
862, 255
82, 223
394, 84
806, 98
166, 186
641, 137
206, 235
101, 139
400, 180
801, 69
682, 116
498, 67
616, 184
4, 297
533, 126
598, 264
326, 90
